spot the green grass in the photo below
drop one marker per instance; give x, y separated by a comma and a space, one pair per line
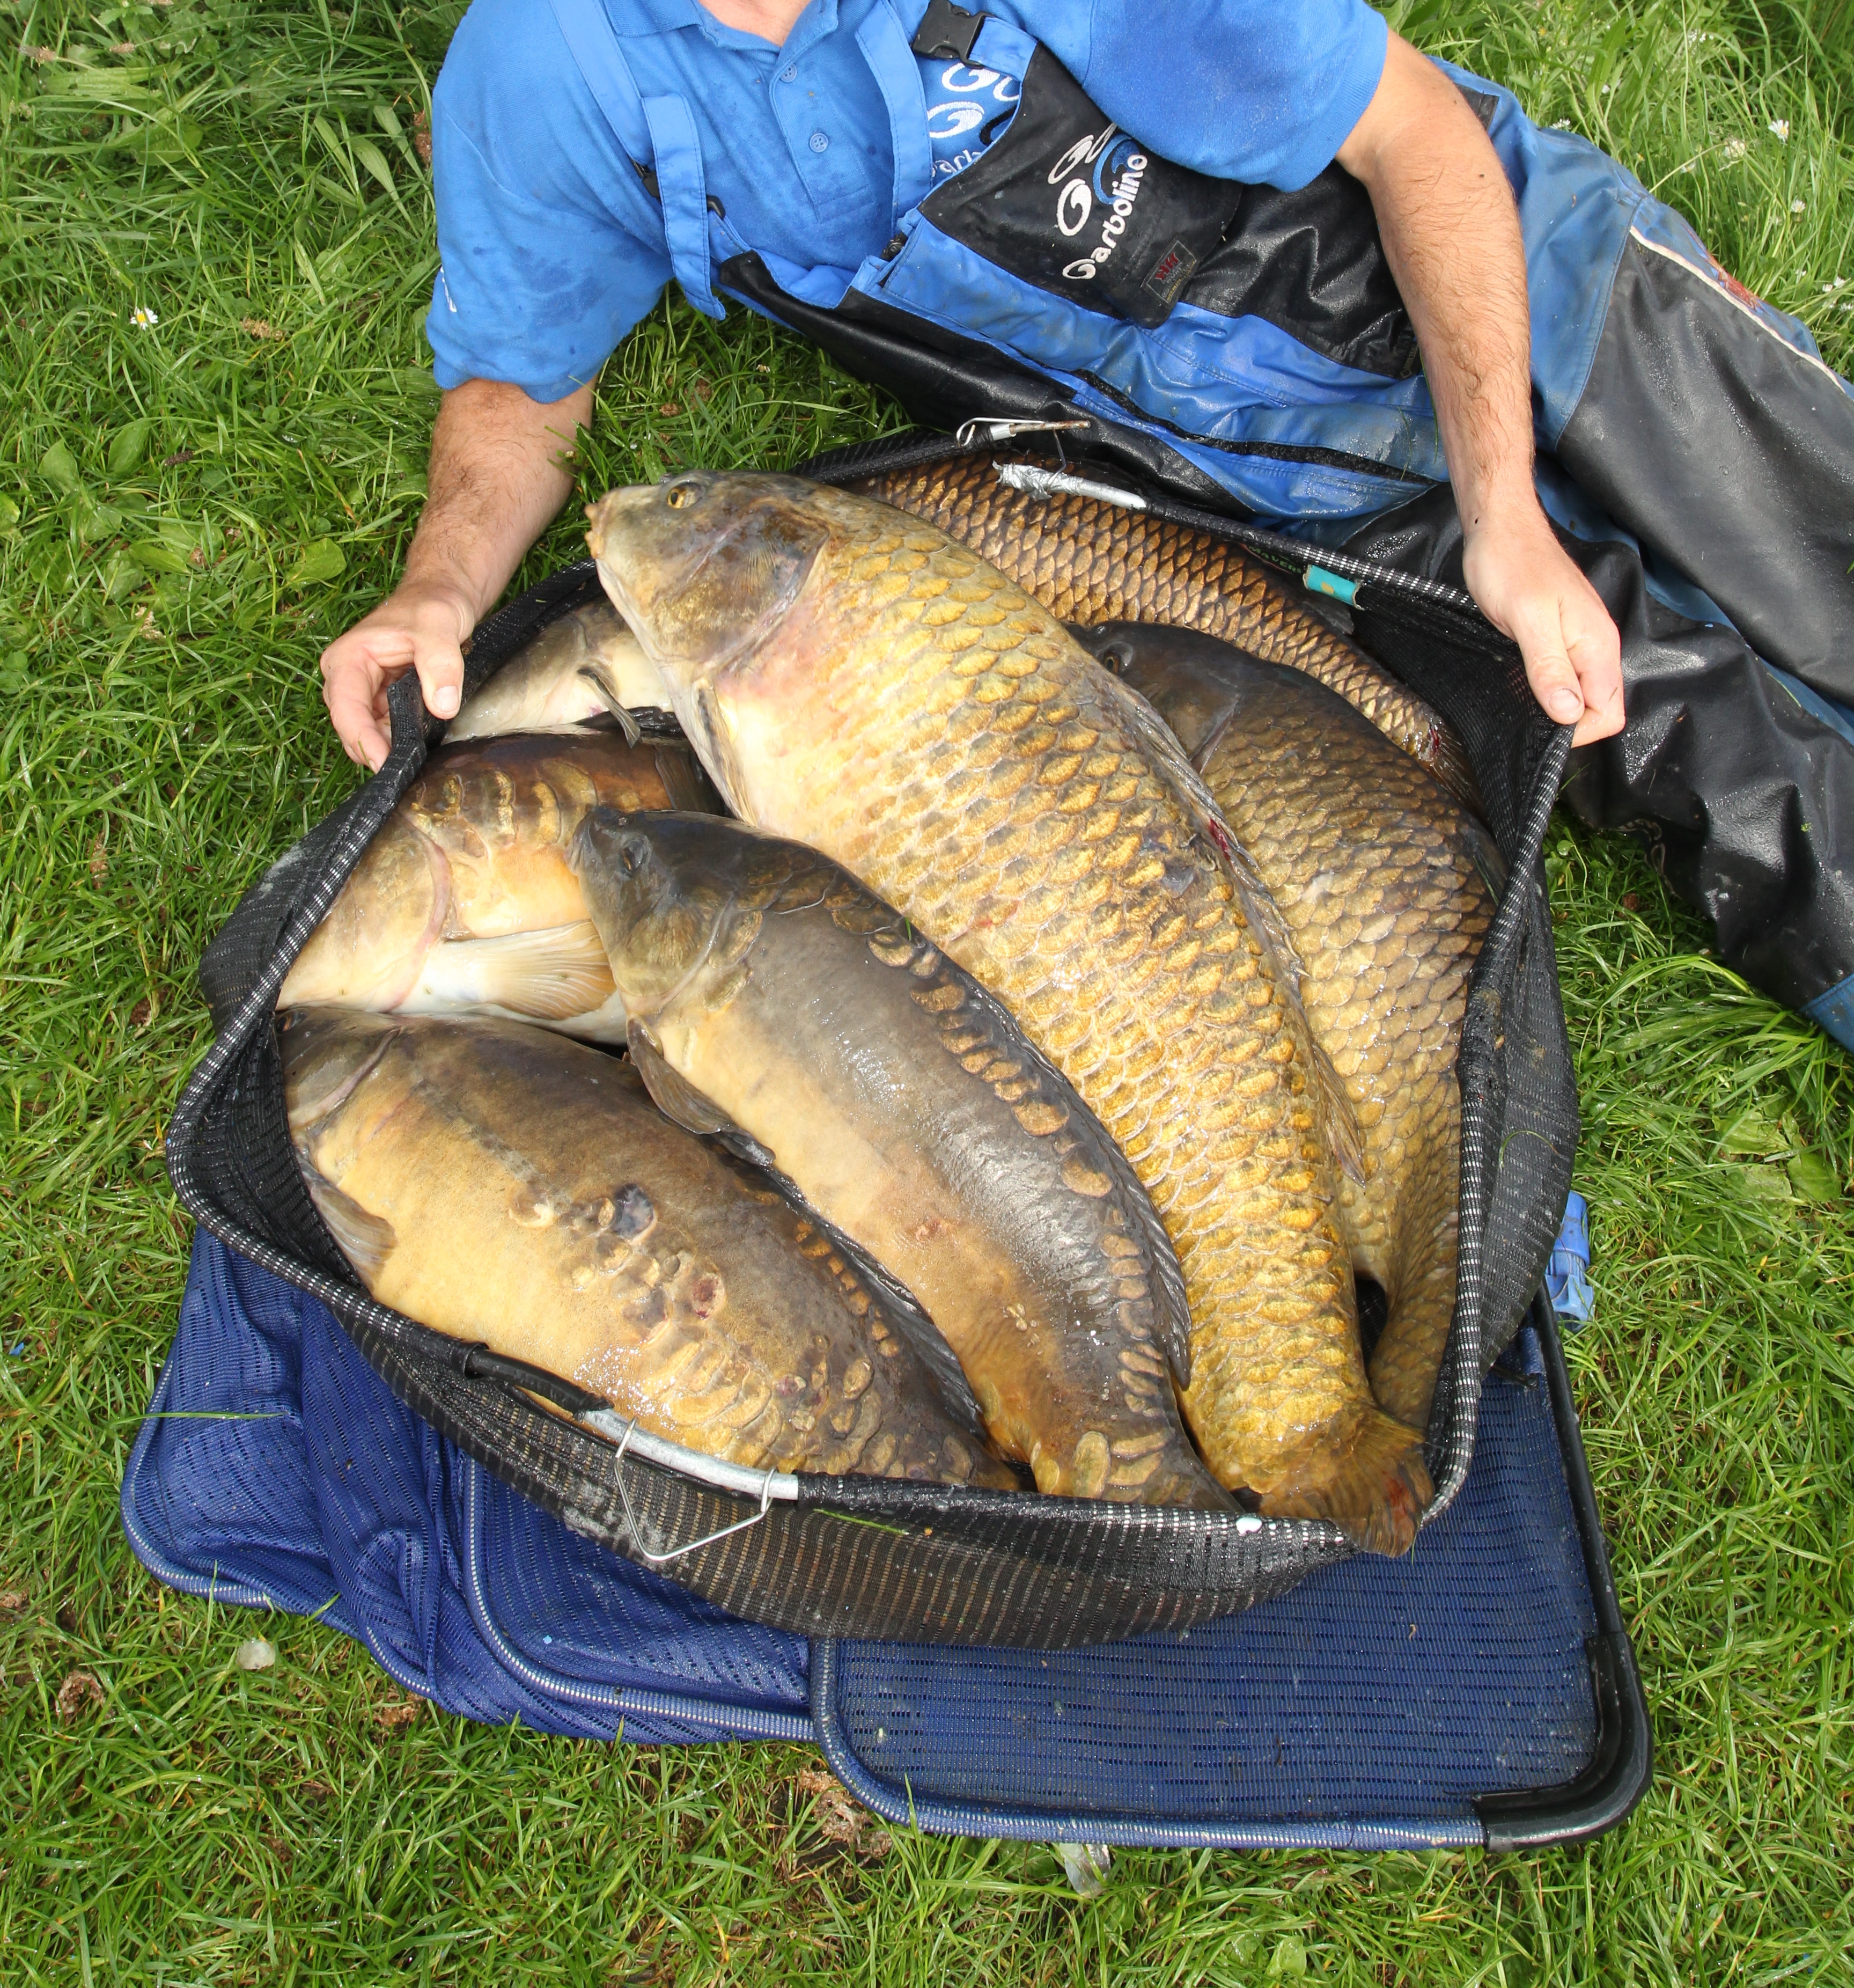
200, 505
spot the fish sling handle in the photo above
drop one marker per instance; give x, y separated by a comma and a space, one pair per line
871, 1557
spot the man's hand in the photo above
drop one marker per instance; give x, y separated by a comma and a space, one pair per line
1451, 232
420, 626
498, 476
1530, 588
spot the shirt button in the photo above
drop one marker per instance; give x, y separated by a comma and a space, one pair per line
819, 142
789, 75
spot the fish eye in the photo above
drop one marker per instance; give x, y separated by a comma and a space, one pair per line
680, 496
631, 854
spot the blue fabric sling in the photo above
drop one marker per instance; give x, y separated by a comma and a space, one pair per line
1370, 1707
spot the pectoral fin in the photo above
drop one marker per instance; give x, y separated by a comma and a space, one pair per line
366, 1240
1344, 1139
679, 1101
591, 673
903, 1308
548, 975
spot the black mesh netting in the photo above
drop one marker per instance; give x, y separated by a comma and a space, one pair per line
858, 1556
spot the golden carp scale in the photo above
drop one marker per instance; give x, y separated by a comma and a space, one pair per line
1090, 561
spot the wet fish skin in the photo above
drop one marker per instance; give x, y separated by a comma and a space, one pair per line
500, 1184
464, 902
853, 678
1092, 562
1388, 886
910, 1111
580, 671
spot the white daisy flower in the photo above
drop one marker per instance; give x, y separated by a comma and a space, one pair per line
143, 318
1797, 206
1780, 128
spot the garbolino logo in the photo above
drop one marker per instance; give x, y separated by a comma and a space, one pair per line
1105, 172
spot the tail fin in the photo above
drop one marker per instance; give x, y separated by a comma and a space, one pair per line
1377, 1492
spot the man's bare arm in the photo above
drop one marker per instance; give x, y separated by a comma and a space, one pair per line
496, 482
1451, 231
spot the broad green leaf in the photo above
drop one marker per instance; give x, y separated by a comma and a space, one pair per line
110, 86
128, 448
97, 521
1750, 1132
158, 557
375, 160
1812, 1178
320, 559
121, 574
1761, 1183
1290, 1960
9, 514
58, 468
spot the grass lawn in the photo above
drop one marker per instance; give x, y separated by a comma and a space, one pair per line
189, 509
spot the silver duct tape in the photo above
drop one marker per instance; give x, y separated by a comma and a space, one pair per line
1048, 483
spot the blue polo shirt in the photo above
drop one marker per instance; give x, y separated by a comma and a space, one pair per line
552, 248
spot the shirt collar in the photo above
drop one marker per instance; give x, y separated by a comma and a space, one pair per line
819, 20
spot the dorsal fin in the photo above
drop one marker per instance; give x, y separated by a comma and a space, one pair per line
1167, 758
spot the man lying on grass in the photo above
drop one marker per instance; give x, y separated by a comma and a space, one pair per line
587, 150
1283, 265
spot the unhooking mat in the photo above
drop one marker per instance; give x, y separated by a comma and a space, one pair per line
1380, 1704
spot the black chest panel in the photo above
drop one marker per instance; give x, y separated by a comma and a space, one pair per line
1067, 202
1311, 262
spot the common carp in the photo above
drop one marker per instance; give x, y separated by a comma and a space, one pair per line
1388, 886
854, 679
772, 997
500, 1184
583, 670
1091, 561
464, 902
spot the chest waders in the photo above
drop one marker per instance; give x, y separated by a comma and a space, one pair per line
1247, 349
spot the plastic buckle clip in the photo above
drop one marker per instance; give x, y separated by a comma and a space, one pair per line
694, 1545
947, 30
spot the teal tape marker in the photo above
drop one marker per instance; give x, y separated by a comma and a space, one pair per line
1317, 579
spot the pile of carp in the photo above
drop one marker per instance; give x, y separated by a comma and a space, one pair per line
1011, 1017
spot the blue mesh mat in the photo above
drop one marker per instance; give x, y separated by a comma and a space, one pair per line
1368, 1707
275, 1468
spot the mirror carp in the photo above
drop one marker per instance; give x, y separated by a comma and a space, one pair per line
775, 1003
464, 902
499, 1184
